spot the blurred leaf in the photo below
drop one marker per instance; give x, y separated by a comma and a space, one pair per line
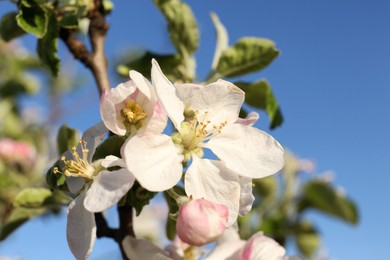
142, 63
173, 210
111, 146
266, 188
182, 25
32, 197
66, 139
138, 197
247, 55
18, 217
222, 39
69, 20
32, 18
307, 238
23, 84
259, 94
47, 46
322, 196
9, 28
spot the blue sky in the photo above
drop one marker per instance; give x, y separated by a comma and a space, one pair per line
332, 80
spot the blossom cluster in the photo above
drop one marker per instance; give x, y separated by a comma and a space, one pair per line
211, 152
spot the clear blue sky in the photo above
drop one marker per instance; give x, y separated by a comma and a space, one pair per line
332, 80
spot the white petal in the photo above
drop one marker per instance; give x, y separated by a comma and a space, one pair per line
121, 92
262, 248
166, 93
250, 119
221, 101
212, 181
111, 161
107, 189
156, 121
247, 198
154, 160
80, 229
247, 151
139, 249
142, 83
93, 136
74, 184
110, 116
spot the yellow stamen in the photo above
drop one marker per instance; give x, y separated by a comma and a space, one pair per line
133, 112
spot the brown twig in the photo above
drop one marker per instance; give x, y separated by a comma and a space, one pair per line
95, 59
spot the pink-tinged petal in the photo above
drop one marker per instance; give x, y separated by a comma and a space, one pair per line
201, 221
142, 83
166, 94
260, 247
250, 119
226, 251
154, 160
139, 249
247, 151
111, 161
107, 189
202, 178
93, 136
247, 198
121, 92
75, 184
80, 229
156, 121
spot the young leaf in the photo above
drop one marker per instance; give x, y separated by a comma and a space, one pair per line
32, 197
306, 238
247, 55
9, 28
138, 197
322, 196
33, 18
222, 39
17, 218
66, 139
259, 94
182, 25
111, 146
173, 210
47, 46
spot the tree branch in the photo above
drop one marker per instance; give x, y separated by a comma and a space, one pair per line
94, 60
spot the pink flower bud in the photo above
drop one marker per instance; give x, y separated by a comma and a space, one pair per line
201, 221
261, 247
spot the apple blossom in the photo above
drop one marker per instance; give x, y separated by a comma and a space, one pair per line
204, 117
140, 249
132, 107
19, 152
201, 222
96, 187
258, 247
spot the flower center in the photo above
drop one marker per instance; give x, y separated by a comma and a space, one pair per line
194, 132
79, 166
133, 112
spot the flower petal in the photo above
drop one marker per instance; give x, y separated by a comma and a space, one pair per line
111, 161
107, 189
154, 160
250, 119
80, 228
202, 178
139, 249
247, 151
74, 184
262, 248
166, 93
93, 136
247, 198
142, 83
221, 101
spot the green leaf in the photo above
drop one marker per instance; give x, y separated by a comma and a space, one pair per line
182, 25
9, 28
47, 46
138, 197
111, 146
325, 198
33, 18
259, 94
169, 63
17, 218
222, 39
248, 55
66, 138
69, 20
306, 238
173, 210
32, 197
